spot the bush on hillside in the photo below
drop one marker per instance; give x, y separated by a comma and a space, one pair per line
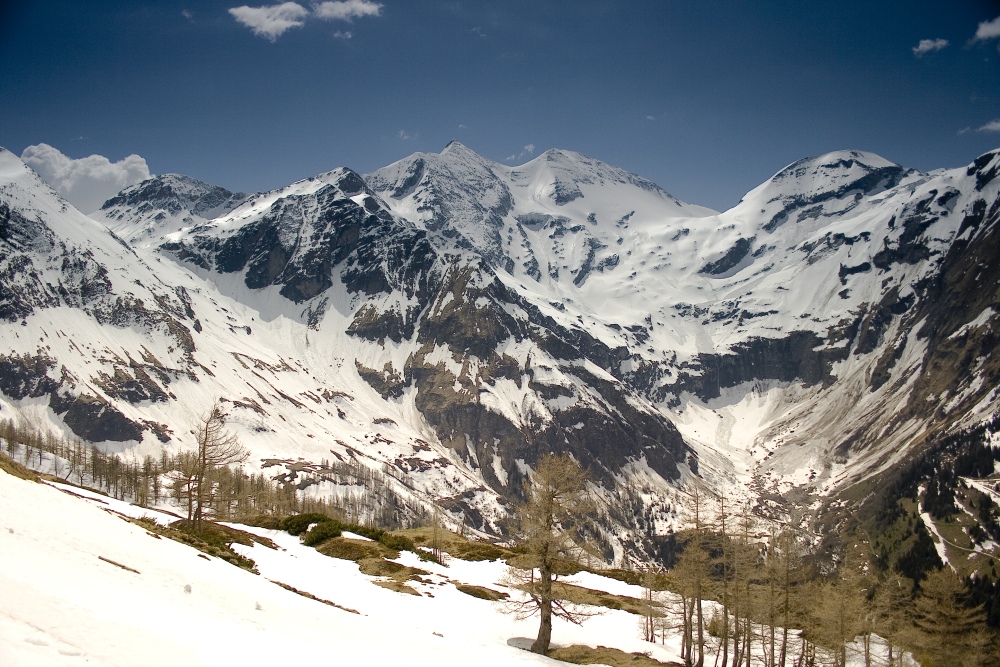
320, 533
299, 523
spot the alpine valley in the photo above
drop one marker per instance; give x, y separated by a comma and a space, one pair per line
823, 349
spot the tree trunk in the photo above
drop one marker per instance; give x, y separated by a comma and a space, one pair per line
701, 629
541, 644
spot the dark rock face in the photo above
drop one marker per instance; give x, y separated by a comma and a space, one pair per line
965, 287
564, 192
175, 193
875, 322
909, 248
986, 167
134, 388
732, 257
387, 382
303, 238
93, 419
472, 318
21, 287
279, 250
800, 356
27, 376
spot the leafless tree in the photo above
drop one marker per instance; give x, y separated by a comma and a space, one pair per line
217, 447
548, 534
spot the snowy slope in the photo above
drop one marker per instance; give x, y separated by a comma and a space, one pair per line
63, 605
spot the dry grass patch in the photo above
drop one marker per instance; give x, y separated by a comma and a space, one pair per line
373, 559
398, 586
12, 467
347, 548
581, 595
602, 655
307, 594
396, 574
481, 592
380, 567
216, 533
455, 545
213, 539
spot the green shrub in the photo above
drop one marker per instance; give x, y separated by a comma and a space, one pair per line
365, 531
397, 542
298, 523
321, 532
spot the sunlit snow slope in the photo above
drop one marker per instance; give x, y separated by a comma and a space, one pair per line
67, 601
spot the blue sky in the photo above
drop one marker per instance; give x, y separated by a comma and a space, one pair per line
707, 99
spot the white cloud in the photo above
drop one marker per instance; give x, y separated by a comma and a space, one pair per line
272, 21
529, 149
928, 46
406, 136
988, 30
188, 15
346, 10
992, 126
87, 182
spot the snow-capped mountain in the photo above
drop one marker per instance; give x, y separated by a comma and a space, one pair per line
447, 319
145, 214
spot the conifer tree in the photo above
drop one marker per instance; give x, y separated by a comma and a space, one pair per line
948, 631
839, 614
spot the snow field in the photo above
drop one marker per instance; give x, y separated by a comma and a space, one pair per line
60, 604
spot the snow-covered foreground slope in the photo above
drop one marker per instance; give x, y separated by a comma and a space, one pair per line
60, 604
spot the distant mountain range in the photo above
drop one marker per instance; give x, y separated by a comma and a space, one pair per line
448, 319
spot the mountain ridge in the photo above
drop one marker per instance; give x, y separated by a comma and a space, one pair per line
794, 343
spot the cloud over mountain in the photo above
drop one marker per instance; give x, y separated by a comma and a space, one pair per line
85, 182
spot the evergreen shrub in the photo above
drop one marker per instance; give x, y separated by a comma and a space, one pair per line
321, 532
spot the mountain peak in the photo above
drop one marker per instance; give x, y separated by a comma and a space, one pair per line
173, 192
143, 213
838, 176
457, 148
835, 162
